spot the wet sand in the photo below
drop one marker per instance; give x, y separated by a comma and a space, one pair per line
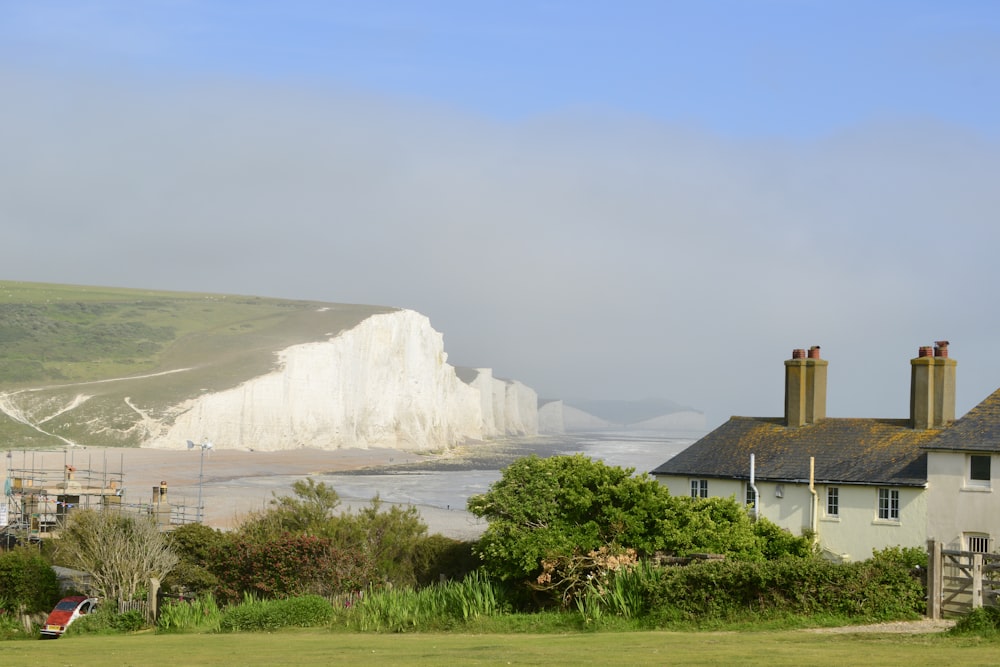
235, 482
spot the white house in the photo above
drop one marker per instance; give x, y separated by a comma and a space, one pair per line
856, 484
962, 510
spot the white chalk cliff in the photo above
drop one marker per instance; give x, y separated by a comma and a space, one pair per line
384, 383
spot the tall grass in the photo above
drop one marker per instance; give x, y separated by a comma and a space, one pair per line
198, 615
620, 593
439, 607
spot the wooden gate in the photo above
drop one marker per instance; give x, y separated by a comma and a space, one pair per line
960, 581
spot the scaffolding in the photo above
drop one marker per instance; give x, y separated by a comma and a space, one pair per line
38, 497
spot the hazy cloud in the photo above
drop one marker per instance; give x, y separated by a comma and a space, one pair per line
591, 255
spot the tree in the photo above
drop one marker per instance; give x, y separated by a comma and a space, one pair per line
557, 506
387, 539
567, 507
307, 511
379, 539
121, 552
195, 544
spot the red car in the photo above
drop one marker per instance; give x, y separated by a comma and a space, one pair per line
68, 610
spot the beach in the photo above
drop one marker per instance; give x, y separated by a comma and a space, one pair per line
231, 483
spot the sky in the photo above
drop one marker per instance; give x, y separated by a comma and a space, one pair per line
603, 200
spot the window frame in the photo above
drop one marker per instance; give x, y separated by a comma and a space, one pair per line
833, 502
977, 542
699, 488
980, 480
888, 507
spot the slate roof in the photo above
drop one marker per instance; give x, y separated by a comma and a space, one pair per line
847, 451
977, 431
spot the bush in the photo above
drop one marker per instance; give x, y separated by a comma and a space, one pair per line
309, 611
107, 621
194, 544
285, 566
27, 581
872, 590
11, 627
437, 556
984, 622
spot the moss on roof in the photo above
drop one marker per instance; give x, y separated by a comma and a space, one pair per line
846, 451
977, 431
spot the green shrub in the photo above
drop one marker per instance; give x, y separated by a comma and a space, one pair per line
437, 556
107, 621
876, 589
984, 622
11, 627
308, 611
194, 544
286, 566
27, 581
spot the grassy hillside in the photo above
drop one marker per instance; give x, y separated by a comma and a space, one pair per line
73, 359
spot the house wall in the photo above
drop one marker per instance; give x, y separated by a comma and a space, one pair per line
858, 530
955, 505
850, 536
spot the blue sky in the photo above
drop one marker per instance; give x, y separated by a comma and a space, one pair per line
746, 68
606, 200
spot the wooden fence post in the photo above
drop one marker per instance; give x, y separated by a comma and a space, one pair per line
154, 592
977, 580
935, 579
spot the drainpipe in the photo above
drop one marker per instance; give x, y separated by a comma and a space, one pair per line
813, 523
753, 485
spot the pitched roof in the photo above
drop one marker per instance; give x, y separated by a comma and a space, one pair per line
977, 431
846, 451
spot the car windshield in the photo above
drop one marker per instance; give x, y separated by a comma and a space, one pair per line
67, 605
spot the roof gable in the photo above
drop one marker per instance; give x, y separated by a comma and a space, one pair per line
978, 430
846, 451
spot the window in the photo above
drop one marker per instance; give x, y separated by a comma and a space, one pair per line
832, 501
751, 496
888, 504
979, 469
699, 488
977, 542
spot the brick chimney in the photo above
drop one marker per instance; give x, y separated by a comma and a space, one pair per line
932, 387
805, 387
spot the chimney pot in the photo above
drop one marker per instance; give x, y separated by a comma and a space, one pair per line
925, 351
941, 348
814, 352
798, 353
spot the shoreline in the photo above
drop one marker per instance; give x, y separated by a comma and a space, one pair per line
232, 484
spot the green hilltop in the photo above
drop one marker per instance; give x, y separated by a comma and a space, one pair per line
84, 363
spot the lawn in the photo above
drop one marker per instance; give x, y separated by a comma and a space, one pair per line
772, 648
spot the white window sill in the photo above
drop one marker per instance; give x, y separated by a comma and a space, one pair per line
887, 522
830, 519
975, 488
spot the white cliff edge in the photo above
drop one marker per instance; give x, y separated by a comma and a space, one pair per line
384, 383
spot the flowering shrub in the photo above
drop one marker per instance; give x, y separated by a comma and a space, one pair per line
285, 566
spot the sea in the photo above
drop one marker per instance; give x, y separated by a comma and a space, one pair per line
441, 486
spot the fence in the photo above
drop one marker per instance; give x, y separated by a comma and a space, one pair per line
133, 605
960, 581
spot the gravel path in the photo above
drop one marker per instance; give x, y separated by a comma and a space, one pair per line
924, 626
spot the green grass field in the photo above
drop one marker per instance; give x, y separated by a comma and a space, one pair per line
772, 648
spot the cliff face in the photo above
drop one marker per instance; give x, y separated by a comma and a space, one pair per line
383, 383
